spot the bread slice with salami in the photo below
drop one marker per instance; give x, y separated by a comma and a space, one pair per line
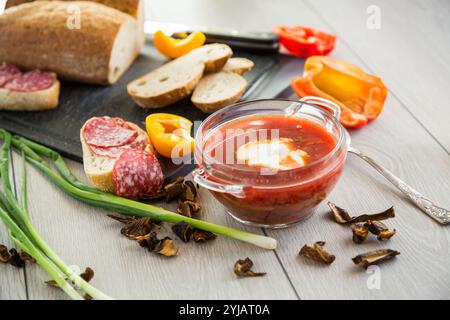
178, 78
118, 157
30, 91
95, 44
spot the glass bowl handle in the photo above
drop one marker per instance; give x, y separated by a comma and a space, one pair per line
330, 106
199, 176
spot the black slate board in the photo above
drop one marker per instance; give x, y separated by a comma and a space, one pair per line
59, 128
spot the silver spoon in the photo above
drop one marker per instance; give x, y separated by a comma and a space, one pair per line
439, 214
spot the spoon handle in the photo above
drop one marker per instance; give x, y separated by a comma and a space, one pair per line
439, 214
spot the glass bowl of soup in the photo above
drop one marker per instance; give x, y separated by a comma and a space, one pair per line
271, 162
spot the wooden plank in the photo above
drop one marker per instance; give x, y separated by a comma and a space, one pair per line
84, 236
12, 280
410, 52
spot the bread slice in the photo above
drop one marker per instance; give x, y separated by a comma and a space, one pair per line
99, 169
167, 84
218, 90
99, 51
177, 79
238, 65
214, 56
30, 101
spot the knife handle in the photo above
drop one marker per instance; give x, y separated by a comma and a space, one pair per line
240, 40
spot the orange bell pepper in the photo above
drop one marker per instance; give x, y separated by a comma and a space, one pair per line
174, 48
170, 134
360, 95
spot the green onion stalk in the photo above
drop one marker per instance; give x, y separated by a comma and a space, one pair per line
23, 233
64, 178
27, 245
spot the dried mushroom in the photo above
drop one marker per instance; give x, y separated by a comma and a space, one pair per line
52, 283
149, 241
138, 227
374, 257
13, 257
134, 226
188, 208
174, 190
184, 209
360, 233
317, 252
26, 257
179, 189
87, 297
379, 229
342, 216
386, 234
87, 276
183, 230
122, 219
191, 186
203, 236
164, 246
242, 268
189, 192
4, 254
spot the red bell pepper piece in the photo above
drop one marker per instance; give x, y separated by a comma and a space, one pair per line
304, 41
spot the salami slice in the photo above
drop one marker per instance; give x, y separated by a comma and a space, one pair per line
106, 132
139, 143
30, 81
7, 73
137, 173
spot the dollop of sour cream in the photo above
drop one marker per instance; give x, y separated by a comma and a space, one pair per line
275, 154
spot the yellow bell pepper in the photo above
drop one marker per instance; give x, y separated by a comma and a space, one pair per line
174, 48
170, 134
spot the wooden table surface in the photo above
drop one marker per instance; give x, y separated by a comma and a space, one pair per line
411, 138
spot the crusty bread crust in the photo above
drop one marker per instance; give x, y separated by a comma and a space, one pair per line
36, 36
103, 179
30, 101
212, 105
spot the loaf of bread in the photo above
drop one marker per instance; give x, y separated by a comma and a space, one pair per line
44, 35
132, 7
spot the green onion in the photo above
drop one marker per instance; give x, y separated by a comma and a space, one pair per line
21, 230
71, 185
26, 245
